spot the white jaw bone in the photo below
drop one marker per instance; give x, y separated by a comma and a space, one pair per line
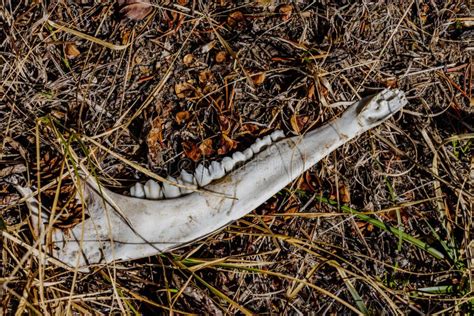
123, 227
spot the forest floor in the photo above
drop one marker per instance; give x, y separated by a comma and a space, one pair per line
381, 226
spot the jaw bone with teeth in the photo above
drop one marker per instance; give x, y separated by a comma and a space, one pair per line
162, 217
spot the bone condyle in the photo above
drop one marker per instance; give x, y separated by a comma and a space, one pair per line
161, 217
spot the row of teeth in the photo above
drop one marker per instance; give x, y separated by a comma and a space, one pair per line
202, 176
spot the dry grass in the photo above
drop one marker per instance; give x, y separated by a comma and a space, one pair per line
71, 69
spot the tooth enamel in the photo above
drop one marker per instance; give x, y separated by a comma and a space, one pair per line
216, 170
257, 146
267, 140
202, 175
277, 135
137, 190
169, 190
153, 190
238, 157
184, 190
248, 153
187, 177
228, 164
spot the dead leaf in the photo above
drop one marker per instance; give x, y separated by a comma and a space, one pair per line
206, 147
135, 9
291, 209
311, 91
155, 142
182, 117
191, 150
285, 10
221, 57
183, 89
363, 226
235, 17
205, 76
258, 78
249, 128
225, 124
391, 83
208, 47
188, 59
298, 122
71, 51
227, 144
344, 193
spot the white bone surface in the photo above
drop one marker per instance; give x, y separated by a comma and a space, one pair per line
277, 135
238, 157
257, 146
123, 227
228, 164
137, 190
187, 177
153, 190
248, 153
202, 175
217, 170
267, 140
170, 190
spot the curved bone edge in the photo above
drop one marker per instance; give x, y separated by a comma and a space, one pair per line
136, 228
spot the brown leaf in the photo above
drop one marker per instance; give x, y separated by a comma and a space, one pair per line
311, 91
365, 227
249, 128
258, 78
188, 59
235, 17
285, 10
154, 141
71, 51
182, 117
205, 76
225, 124
227, 144
191, 150
298, 122
135, 9
206, 147
391, 83
183, 89
344, 194
221, 57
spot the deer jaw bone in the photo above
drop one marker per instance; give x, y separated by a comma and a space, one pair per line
126, 228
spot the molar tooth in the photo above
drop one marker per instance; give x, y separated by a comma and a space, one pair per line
216, 170
202, 175
238, 157
153, 190
169, 190
228, 164
257, 146
187, 177
277, 135
248, 153
267, 140
184, 190
137, 190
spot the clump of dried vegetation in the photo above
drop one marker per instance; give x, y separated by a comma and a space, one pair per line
383, 225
